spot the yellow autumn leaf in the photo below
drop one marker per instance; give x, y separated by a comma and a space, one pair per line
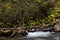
8, 6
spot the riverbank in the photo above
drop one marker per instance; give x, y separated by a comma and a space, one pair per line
55, 26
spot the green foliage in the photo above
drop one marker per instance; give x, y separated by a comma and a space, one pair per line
57, 8
14, 13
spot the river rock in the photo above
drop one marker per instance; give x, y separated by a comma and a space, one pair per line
57, 26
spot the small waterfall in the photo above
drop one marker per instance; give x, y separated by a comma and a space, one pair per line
39, 34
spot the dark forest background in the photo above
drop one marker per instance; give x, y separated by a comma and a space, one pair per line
17, 13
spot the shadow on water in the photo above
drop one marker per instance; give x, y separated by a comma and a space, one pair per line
53, 36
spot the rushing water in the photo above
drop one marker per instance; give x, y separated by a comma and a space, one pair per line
38, 36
